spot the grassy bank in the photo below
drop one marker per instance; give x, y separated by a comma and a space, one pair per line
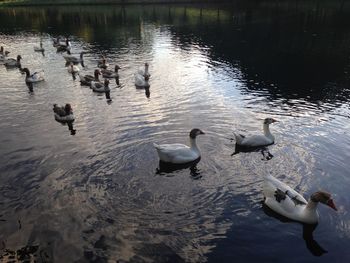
96, 2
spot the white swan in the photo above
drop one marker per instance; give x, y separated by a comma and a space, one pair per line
35, 77
39, 49
141, 81
99, 86
257, 140
74, 59
11, 62
144, 72
109, 73
73, 69
287, 202
180, 153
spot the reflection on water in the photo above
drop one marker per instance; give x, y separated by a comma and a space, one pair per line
96, 196
308, 230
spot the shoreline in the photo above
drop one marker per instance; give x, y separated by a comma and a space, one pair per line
15, 3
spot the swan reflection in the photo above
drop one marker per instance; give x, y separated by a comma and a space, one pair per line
167, 168
267, 155
308, 230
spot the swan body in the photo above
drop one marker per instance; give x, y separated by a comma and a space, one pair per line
180, 153
144, 71
86, 79
141, 81
287, 202
63, 47
39, 49
257, 140
74, 59
109, 73
102, 63
35, 77
73, 69
11, 62
99, 86
63, 114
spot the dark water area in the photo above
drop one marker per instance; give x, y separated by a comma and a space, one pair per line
102, 195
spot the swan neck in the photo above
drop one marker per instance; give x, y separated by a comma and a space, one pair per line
193, 143
311, 205
267, 132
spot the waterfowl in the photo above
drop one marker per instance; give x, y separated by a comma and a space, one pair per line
63, 114
35, 77
102, 63
109, 73
11, 62
73, 69
3, 54
86, 79
141, 81
180, 153
257, 140
63, 47
287, 202
39, 49
72, 58
144, 72
98, 86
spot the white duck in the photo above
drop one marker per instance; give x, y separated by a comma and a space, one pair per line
180, 153
74, 59
144, 72
287, 202
11, 62
257, 140
35, 77
141, 81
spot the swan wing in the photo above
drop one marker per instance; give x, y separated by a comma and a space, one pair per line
283, 199
255, 141
176, 153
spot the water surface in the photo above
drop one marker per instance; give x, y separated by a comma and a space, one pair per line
99, 196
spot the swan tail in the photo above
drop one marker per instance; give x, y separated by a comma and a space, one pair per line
239, 138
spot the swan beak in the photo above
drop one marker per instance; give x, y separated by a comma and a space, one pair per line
274, 120
331, 204
201, 132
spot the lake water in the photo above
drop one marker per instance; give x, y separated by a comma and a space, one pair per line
98, 195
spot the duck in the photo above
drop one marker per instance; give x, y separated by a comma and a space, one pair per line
63, 114
287, 202
109, 73
33, 78
99, 86
257, 140
74, 59
180, 153
11, 62
86, 79
144, 72
63, 47
39, 49
3, 54
73, 69
102, 63
141, 81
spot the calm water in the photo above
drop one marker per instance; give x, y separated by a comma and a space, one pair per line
99, 196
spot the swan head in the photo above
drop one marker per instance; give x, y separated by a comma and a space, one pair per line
195, 132
68, 108
19, 57
106, 82
269, 120
324, 198
146, 65
97, 72
116, 68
